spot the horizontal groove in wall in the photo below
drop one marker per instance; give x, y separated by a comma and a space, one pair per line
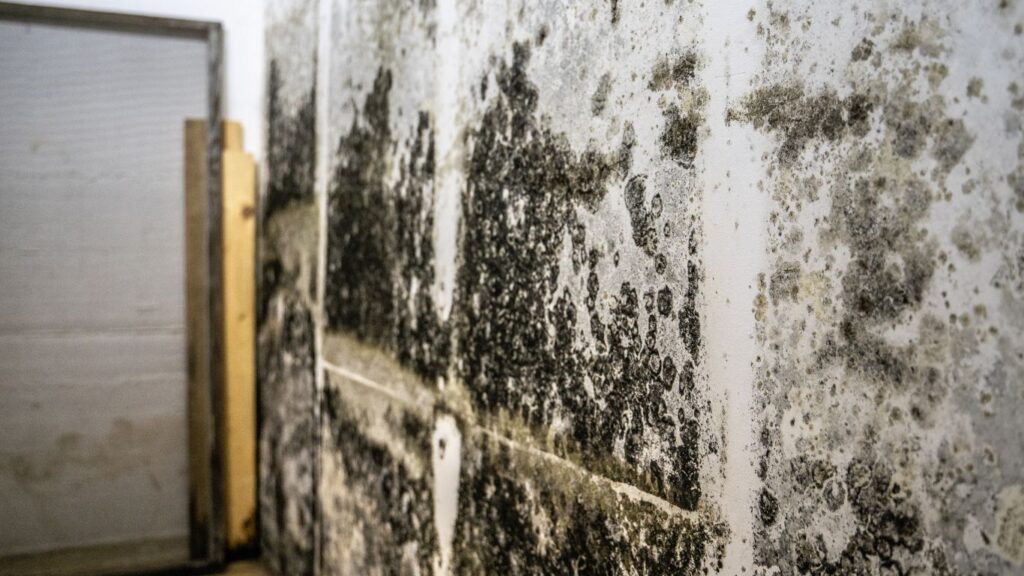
619, 487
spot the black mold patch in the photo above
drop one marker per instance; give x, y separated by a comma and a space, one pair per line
392, 509
1016, 181
910, 123
291, 147
679, 137
640, 217
889, 537
287, 439
360, 236
523, 353
891, 264
768, 506
380, 239
522, 515
271, 278
689, 315
665, 301
542, 34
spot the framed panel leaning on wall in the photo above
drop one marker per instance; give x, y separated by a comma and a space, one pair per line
203, 264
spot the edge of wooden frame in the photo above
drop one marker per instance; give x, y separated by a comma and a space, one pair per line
215, 529
79, 18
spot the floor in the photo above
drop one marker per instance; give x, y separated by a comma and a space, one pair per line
108, 560
247, 568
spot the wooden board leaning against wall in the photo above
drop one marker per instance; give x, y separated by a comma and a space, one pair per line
237, 423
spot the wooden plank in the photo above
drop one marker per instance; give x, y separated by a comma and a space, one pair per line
197, 280
238, 432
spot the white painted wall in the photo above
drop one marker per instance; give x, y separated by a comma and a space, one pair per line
243, 50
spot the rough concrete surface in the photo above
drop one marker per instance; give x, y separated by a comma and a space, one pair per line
659, 287
286, 339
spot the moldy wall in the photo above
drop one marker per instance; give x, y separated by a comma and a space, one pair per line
643, 287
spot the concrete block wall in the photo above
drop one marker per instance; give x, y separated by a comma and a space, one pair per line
659, 287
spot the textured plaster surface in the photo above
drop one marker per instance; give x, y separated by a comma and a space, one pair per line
643, 288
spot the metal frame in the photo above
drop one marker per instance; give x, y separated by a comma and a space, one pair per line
206, 517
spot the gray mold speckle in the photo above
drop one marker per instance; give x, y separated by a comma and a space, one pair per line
668, 73
866, 426
784, 108
600, 97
